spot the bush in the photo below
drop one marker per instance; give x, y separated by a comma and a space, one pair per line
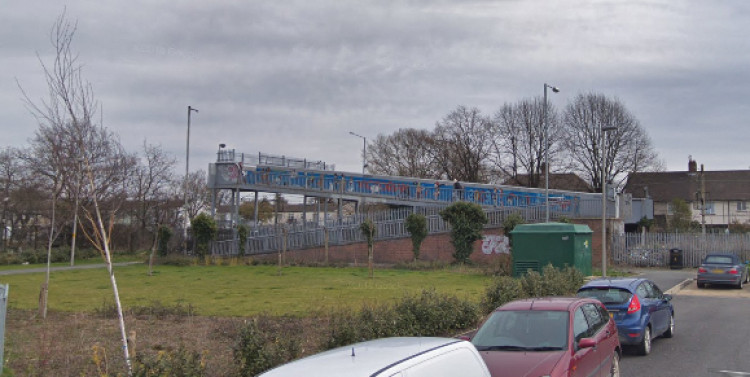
155, 309
426, 314
552, 282
510, 223
242, 232
205, 230
164, 235
500, 265
264, 344
416, 225
532, 285
180, 363
433, 314
502, 290
176, 260
467, 221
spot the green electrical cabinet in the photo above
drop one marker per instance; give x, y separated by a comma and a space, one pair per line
559, 244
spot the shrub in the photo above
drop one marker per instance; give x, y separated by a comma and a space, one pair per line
155, 309
416, 225
242, 233
552, 282
510, 223
426, 314
176, 260
500, 265
264, 344
467, 221
531, 283
502, 290
205, 230
164, 235
432, 314
179, 363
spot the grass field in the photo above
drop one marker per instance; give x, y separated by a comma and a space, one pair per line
239, 290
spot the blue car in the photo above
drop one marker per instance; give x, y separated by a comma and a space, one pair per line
640, 309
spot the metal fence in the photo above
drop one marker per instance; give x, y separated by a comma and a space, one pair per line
3, 316
389, 225
652, 249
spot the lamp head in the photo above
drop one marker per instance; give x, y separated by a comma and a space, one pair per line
222, 145
555, 89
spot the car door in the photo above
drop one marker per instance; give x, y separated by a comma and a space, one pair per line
585, 360
662, 309
598, 320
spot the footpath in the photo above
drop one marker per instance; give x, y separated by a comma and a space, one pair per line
62, 268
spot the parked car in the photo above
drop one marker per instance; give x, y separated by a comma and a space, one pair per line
391, 357
722, 268
559, 336
640, 309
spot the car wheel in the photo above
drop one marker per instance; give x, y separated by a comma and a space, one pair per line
740, 284
614, 369
644, 348
701, 285
670, 330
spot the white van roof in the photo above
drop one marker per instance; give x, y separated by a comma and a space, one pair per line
370, 358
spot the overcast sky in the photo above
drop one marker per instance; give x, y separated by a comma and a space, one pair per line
295, 77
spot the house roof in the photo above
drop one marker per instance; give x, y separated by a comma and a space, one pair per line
557, 181
725, 185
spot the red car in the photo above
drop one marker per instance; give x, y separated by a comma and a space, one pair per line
555, 337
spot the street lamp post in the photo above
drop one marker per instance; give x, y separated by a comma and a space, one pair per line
364, 150
603, 132
546, 151
187, 171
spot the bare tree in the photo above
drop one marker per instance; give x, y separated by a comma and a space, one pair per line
150, 184
198, 194
407, 153
68, 138
11, 171
462, 145
518, 142
627, 148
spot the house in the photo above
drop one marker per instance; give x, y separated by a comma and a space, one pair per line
726, 194
557, 181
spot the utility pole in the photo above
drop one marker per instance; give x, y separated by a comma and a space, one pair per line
703, 202
190, 109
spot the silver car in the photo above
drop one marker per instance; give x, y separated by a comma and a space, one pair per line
389, 357
724, 269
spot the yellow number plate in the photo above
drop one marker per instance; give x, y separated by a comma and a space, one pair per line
718, 271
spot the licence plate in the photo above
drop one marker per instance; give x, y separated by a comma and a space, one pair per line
718, 271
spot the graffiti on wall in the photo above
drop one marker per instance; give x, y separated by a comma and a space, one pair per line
493, 244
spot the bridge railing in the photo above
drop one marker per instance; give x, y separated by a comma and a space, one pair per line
389, 225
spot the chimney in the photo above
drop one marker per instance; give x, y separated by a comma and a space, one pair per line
692, 165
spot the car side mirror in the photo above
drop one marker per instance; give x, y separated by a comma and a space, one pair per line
587, 343
667, 297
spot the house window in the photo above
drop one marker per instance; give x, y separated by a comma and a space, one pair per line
742, 206
709, 207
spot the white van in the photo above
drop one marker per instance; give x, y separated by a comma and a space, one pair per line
391, 357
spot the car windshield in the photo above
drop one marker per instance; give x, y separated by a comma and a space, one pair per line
524, 330
718, 259
607, 295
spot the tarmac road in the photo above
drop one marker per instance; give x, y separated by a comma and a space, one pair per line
712, 337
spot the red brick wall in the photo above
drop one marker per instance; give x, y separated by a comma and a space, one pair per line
434, 248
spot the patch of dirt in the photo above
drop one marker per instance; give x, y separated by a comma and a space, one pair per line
64, 343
